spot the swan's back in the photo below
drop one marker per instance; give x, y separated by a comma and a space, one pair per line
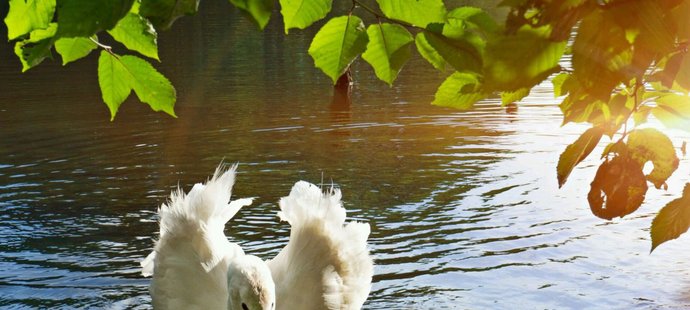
326, 264
189, 262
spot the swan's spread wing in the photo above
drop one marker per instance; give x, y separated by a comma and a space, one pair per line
189, 261
326, 264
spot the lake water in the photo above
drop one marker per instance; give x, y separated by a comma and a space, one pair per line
464, 206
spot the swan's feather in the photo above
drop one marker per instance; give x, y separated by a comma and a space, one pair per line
326, 264
189, 261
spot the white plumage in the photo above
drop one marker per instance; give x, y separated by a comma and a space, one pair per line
325, 265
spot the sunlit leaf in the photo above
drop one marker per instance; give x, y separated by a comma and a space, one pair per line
562, 16
618, 189
137, 34
510, 97
25, 16
115, 81
579, 106
460, 91
641, 114
462, 54
302, 13
576, 152
679, 15
601, 55
72, 49
673, 110
559, 86
674, 73
388, 50
648, 21
673, 220
119, 75
473, 18
681, 71
466, 22
135, 7
613, 115
521, 60
416, 12
428, 52
78, 18
649, 144
337, 44
150, 85
258, 10
36, 48
163, 13
618, 148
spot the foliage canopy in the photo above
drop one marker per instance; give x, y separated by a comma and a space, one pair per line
629, 61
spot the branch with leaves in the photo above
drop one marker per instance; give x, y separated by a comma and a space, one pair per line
75, 36
629, 62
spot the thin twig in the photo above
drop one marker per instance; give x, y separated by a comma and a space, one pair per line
107, 48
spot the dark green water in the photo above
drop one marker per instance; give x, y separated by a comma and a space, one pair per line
464, 206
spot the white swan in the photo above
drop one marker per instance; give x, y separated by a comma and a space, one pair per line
325, 265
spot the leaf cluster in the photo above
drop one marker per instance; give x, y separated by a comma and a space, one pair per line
629, 61
617, 49
73, 28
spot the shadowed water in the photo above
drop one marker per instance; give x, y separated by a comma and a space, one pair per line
464, 206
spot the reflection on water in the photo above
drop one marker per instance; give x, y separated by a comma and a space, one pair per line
464, 206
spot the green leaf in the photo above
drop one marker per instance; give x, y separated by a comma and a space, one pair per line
258, 10
388, 50
72, 49
510, 97
675, 74
649, 144
618, 188
521, 60
652, 28
559, 84
462, 54
580, 108
77, 18
641, 114
672, 220
337, 44
115, 81
576, 152
118, 76
679, 15
36, 48
601, 69
163, 13
25, 16
673, 111
617, 147
137, 34
460, 91
473, 18
150, 85
302, 13
428, 52
416, 12
678, 71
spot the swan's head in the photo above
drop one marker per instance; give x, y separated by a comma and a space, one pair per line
250, 285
